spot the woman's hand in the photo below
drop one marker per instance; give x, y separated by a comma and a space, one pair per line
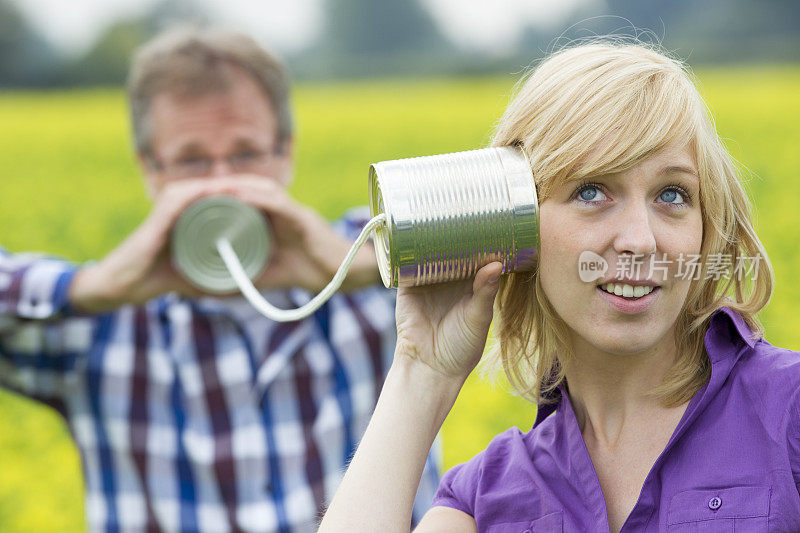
445, 326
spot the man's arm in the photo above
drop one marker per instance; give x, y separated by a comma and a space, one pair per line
41, 338
140, 268
49, 307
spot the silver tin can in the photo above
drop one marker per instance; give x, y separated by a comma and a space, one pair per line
195, 234
448, 215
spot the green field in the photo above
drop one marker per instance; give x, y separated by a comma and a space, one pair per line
70, 187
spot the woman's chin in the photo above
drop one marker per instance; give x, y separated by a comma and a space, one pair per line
623, 339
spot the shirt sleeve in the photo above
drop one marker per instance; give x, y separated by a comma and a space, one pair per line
41, 337
459, 485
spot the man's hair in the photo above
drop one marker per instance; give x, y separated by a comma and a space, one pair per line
192, 62
600, 108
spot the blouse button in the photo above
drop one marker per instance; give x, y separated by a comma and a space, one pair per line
715, 503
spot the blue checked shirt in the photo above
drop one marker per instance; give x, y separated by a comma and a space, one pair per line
202, 415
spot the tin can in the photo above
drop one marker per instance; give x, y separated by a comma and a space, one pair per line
448, 215
194, 241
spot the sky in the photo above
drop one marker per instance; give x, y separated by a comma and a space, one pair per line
489, 26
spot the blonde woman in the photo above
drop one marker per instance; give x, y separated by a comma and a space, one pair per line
661, 406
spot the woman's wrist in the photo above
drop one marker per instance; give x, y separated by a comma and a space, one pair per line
377, 492
425, 387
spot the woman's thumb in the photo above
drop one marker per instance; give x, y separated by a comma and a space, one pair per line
484, 290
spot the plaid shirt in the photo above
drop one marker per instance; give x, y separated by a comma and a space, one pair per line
202, 415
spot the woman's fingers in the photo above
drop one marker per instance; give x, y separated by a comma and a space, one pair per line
484, 289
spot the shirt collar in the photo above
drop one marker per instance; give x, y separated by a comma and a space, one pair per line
726, 327
724, 317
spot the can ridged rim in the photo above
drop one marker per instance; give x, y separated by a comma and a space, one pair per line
520, 150
383, 235
195, 233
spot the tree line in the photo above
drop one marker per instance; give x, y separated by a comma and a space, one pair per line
399, 37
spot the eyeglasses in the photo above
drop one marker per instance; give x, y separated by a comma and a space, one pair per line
242, 161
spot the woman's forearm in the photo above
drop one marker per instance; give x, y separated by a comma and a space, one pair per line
377, 492
441, 334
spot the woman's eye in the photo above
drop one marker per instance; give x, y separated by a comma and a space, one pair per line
591, 194
670, 195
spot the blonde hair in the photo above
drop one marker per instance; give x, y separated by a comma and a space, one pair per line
632, 100
191, 62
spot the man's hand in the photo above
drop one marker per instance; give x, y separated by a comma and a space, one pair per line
305, 253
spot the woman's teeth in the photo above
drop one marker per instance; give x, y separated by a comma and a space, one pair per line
627, 291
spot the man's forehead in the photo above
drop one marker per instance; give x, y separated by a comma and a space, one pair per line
237, 114
242, 92
221, 78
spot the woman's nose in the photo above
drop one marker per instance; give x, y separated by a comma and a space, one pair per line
634, 234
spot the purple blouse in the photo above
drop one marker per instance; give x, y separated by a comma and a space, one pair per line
733, 462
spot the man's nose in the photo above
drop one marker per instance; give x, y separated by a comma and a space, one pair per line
220, 167
634, 231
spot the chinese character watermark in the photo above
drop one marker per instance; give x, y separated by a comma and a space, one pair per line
592, 266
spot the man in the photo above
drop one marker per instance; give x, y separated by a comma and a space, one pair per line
191, 412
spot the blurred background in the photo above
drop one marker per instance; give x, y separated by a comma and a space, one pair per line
50, 43
375, 80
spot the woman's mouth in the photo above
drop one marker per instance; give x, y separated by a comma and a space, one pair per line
629, 299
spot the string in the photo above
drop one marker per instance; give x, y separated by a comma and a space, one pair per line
289, 315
